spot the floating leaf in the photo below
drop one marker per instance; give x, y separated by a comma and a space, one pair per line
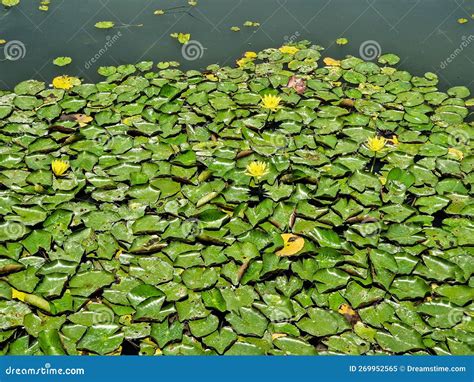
10, 3
62, 61
183, 38
104, 24
342, 41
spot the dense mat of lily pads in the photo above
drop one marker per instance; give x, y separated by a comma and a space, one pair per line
293, 204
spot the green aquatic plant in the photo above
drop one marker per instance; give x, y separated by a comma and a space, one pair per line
230, 211
183, 38
104, 24
44, 5
342, 41
62, 61
10, 3
111, 24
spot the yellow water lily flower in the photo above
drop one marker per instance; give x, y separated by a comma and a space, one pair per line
383, 180
65, 82
211, 77
292, 244
250, 55
288, 49
243, 61
458, 154
257, 169
331, 61
376, 144
271, 102
59, 167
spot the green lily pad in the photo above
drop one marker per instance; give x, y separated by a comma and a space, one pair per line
104, 24
321, 322
101, 339
62, 61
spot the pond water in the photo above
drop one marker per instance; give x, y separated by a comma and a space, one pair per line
425, 34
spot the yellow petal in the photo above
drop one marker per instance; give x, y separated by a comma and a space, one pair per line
211, 77
350, 314
346, 309
59, 167
331, 62
83, 119
278, 335
292, 244
257, 169
458, 154
16, 294
241, 62
65, 82
288, 49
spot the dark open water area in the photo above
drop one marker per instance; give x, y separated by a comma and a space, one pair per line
425, 34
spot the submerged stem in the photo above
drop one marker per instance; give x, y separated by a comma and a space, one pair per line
373, 164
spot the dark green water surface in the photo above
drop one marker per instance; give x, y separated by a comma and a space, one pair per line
425, 34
